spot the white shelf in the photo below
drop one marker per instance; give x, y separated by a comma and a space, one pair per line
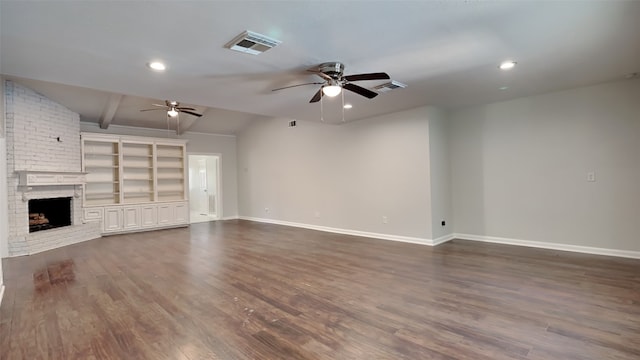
170, 177
102, 196
99, 154
128, 170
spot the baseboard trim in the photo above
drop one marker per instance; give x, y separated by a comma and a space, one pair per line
552, 246
406, 239
1, 293
235, 217
443, 239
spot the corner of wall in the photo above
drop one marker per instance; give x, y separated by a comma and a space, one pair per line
4, 239
440, 175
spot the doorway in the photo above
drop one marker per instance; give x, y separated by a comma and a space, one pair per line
204, 187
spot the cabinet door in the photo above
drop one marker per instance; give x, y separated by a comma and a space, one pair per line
112, 219
92, 214
131, 218
165, 214
180, 213
149, 215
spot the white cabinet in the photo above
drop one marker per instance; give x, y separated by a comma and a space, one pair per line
92, 214
134, 183
112, 219
180, 213
173, 213
131, 217
165, 213
148, 215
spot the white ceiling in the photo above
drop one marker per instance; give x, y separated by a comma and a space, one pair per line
447, 53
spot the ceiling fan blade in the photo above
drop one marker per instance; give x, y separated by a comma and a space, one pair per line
159, 105
184, 108
191, 113
151, 109
360, 90
316, 97
287, 87
371, 76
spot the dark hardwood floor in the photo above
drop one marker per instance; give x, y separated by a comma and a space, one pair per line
243, 290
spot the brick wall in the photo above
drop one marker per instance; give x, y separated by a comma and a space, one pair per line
42, 135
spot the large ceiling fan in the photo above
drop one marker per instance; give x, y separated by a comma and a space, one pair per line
335, 81
173, 108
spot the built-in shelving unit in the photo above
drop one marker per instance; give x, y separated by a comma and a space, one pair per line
101, 162
134, 183
137, 175
170, 161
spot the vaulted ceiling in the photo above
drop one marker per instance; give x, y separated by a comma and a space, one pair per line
92, 56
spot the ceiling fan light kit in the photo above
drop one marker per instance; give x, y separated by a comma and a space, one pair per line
173, 108
335, 80
331, 90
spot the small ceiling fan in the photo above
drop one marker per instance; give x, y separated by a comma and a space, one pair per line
173, 108
335, 81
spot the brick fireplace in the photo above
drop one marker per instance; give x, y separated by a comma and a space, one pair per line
43, 142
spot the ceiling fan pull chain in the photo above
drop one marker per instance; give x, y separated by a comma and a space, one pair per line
342, 92
168, 129
321, 107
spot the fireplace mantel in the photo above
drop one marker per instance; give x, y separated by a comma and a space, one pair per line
51, 178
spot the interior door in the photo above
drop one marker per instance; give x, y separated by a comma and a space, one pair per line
204, 187
200, 192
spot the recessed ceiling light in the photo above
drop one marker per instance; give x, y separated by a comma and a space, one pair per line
157, 66
507, 65
348, 106
503, 87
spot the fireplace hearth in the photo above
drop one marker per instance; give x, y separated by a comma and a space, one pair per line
45, 214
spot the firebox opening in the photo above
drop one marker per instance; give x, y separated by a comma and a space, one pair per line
45, 214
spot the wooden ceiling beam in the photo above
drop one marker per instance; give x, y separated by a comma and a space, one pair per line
110, 110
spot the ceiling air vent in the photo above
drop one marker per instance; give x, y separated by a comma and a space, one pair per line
252, 43
392, 85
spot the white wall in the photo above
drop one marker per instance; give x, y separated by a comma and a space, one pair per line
519, 167
4, 240
198, 143
4, 203
440, 172
340, 176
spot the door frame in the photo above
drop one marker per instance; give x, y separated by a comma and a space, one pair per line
219, 209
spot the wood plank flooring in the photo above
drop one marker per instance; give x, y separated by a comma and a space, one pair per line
244, 290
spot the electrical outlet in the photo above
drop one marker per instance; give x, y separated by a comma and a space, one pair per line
266, 210
385, 220
591, 176
443, 223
